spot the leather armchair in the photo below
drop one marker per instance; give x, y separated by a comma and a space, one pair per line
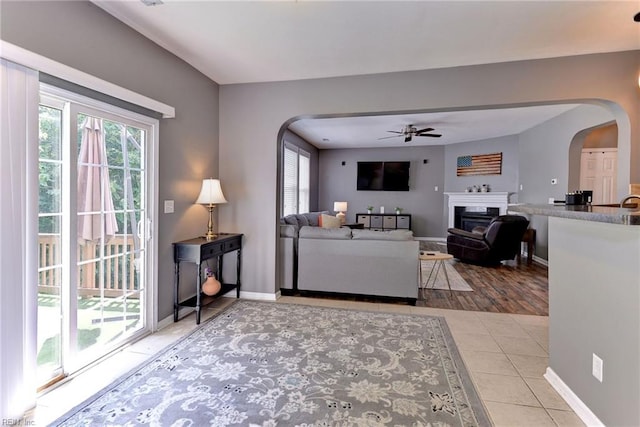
500, 240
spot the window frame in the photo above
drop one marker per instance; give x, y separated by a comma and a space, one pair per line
301, 192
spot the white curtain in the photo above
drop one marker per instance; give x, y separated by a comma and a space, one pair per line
19, 98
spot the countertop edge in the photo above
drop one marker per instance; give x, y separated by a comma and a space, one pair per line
611, 215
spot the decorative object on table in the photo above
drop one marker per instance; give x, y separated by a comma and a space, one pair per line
211, 286
398, 210
369, 209
341, 208
481, 164
484, 188
263, 363
211, 195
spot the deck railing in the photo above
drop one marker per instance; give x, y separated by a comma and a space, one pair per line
119, 265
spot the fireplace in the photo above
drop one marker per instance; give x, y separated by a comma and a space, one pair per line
479, 207
468, 219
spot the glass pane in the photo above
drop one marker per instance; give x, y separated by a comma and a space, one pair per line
116, 181
50, 133
50, 178
133, 302
49, 323
49, 223
290, 182
114, 134
49, 250
49, 329
135, 197
134, 152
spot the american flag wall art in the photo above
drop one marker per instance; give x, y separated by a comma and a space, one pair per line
480, 164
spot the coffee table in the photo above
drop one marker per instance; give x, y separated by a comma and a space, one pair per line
439, 258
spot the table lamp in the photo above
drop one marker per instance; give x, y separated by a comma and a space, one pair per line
211, 195
341, 208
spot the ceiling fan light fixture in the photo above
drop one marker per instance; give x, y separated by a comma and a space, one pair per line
152, 2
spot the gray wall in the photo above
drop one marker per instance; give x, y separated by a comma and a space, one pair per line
83, 36
545, 154
422, 201
249, 169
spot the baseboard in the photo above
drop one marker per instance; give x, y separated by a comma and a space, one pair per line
254, 295
578, 406
431, 239
541, 261
169, 319
231, 294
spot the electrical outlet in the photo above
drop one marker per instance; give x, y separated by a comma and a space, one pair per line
521, 187
168, 206
597, 367
435, 188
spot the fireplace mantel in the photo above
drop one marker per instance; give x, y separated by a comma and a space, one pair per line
491, 199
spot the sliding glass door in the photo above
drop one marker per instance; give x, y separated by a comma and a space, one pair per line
94, 221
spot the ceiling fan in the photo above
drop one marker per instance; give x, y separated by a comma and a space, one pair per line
409, 131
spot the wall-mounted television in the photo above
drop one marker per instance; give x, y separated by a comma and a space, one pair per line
383, 176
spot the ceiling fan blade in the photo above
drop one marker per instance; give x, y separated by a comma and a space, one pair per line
387, 137
407, 138
432, 135
395, 131
424, 130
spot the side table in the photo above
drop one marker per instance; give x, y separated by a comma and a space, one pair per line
196, 251
438, 259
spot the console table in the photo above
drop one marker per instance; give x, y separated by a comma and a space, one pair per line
384, 221
196, 251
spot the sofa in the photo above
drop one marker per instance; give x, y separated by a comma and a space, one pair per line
288, 246
363, 262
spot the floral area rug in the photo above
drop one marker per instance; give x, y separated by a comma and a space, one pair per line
268, 364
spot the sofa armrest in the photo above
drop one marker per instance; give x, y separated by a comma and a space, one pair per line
464, 233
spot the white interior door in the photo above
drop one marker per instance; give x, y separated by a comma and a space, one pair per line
598, 172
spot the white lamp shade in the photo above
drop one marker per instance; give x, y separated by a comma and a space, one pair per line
211, 193
340, 206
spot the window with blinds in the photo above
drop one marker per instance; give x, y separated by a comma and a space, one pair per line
295, 191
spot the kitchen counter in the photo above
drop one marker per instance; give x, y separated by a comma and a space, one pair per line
607, 214
594, 309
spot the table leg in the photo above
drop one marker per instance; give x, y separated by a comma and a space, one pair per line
198, 292
238, 269
446, 275
176, 284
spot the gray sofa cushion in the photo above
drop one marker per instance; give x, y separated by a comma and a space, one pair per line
300, 220
343, 233
288, 230
382, 235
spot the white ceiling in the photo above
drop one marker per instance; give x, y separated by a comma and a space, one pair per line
454, 126
256, 41
260, 41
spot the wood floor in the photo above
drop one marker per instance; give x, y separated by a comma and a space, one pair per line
509, 288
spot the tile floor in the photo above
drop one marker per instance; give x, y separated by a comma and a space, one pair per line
506, 355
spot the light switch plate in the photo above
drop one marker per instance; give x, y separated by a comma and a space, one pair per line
168, 206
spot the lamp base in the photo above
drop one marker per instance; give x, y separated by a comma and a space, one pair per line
342, 217
210, 234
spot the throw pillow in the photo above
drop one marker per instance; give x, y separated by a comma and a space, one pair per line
328, 221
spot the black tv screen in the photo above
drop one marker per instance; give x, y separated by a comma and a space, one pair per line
396, 176
379, 176
370, 175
